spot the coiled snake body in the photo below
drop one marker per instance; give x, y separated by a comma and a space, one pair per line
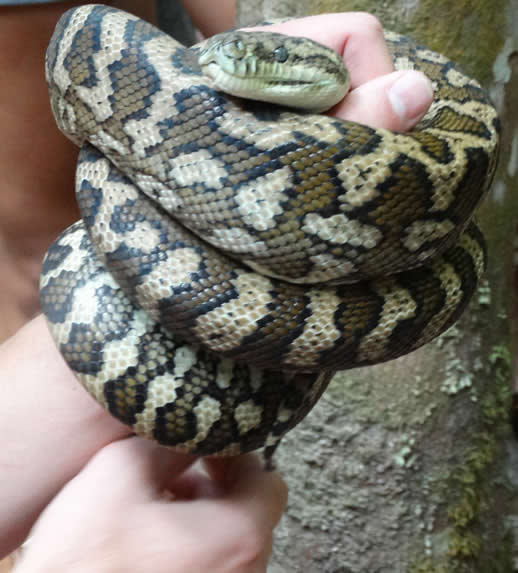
232, 254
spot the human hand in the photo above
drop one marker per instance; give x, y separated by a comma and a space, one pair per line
113, 516
379, 96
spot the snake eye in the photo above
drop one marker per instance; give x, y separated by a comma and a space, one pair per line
237, 48
280, 54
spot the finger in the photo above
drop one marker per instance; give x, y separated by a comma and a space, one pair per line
258, 493
247, 508
194, 483
356, 35
395, 101
133, 467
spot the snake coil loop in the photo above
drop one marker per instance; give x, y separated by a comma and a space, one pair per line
233, 255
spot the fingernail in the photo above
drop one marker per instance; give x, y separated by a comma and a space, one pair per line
411, 95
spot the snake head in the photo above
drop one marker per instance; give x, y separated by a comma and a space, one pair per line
271, 67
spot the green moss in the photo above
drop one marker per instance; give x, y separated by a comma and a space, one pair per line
469, 487
473, 40
470, 478
427, 566
470, 481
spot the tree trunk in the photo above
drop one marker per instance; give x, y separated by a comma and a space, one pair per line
410, 466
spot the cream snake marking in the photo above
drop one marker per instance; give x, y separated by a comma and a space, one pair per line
234, 254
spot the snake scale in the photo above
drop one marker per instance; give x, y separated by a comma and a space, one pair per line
233, 254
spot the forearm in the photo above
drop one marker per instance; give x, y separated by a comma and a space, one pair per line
50, 426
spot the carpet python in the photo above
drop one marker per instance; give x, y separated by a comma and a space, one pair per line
233, 254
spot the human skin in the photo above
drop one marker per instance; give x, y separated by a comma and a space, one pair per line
54, 428
221, 519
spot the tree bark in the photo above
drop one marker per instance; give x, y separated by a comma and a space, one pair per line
409, 466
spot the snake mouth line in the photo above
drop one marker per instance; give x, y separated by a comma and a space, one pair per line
311, 96
271, 80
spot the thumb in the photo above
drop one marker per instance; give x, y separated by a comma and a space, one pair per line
395, 101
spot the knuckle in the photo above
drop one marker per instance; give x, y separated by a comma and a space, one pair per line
118, 453
370, 24
112, 450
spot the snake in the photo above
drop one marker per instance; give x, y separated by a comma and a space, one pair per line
238, 245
